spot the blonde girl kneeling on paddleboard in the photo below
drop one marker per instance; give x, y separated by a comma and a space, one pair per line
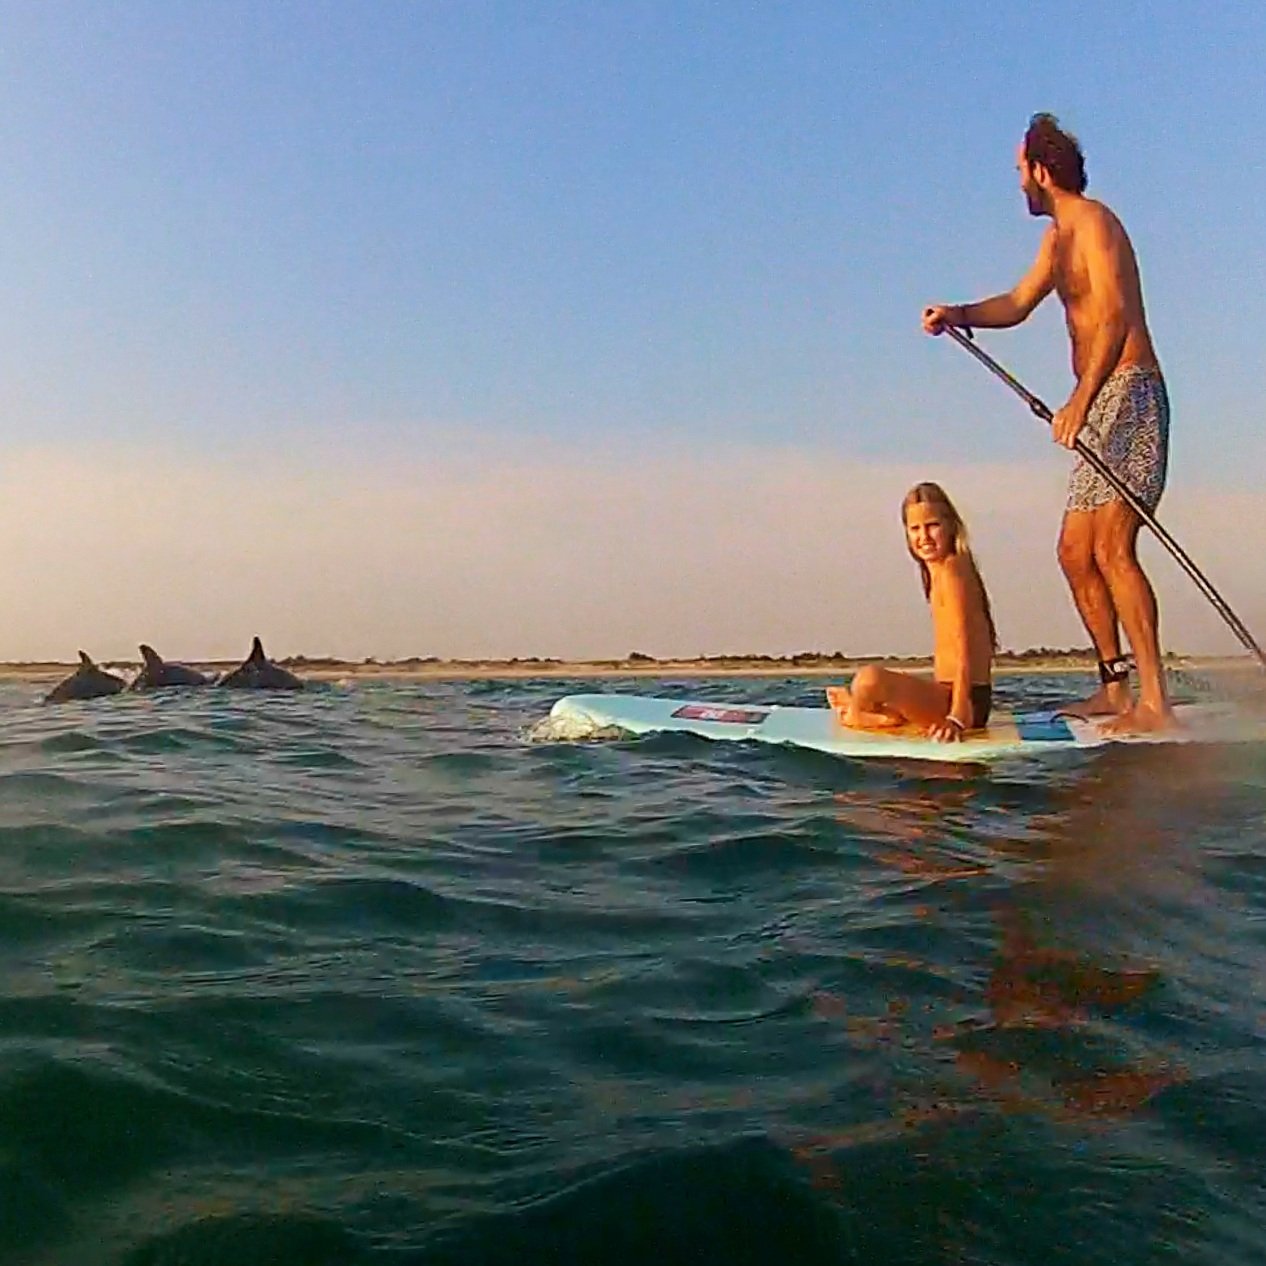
960, 695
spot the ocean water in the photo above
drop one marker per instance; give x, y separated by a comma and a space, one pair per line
362, 976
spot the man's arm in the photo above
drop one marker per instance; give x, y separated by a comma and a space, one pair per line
1104, 305
1001, 311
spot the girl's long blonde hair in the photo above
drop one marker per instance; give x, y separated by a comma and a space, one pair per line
934, 495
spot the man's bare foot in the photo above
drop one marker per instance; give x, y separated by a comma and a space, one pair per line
1112, 700
1144, 718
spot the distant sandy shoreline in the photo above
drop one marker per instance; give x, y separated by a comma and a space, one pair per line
523, 669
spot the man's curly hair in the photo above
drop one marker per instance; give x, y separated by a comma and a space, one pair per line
1058, 151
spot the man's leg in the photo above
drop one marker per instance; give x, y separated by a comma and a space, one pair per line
1094, 602
1116, 530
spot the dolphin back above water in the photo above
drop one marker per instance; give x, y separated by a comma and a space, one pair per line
156, 673
86, 682
258, 672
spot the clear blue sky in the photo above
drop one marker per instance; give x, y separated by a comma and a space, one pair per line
555, 217
232, 224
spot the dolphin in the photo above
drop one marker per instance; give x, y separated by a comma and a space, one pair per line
157, 673
86, 682
258, 672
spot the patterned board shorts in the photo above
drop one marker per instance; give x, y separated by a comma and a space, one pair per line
1128, 426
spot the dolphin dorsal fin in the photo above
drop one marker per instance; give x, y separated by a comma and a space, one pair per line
85, 660
257, 655
151, 657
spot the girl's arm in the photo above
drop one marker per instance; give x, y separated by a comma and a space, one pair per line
953, 646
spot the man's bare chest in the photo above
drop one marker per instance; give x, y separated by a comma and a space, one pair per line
1072, 283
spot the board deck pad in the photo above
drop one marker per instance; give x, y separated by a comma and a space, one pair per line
1020, 734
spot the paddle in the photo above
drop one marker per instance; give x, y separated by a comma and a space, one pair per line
963, 337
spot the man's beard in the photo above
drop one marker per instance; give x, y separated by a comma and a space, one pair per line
1038, 202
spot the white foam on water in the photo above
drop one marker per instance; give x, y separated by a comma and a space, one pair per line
571, 727
1242, 687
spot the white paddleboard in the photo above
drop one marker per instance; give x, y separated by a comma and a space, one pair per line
1008, 734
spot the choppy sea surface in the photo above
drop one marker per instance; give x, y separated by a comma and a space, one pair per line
362, 975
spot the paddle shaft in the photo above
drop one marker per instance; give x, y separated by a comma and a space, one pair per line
1237, 626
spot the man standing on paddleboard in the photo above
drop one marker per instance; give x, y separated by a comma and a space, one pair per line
1119, 408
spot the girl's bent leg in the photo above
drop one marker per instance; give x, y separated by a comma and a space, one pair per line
881, 698
847, 711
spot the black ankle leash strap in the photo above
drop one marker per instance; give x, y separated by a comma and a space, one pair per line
1114, 670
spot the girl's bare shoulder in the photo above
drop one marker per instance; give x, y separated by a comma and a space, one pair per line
956, 578
955, 569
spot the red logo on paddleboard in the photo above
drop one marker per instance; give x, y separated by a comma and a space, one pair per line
727, 716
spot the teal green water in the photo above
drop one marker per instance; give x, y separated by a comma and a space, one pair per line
362, 975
